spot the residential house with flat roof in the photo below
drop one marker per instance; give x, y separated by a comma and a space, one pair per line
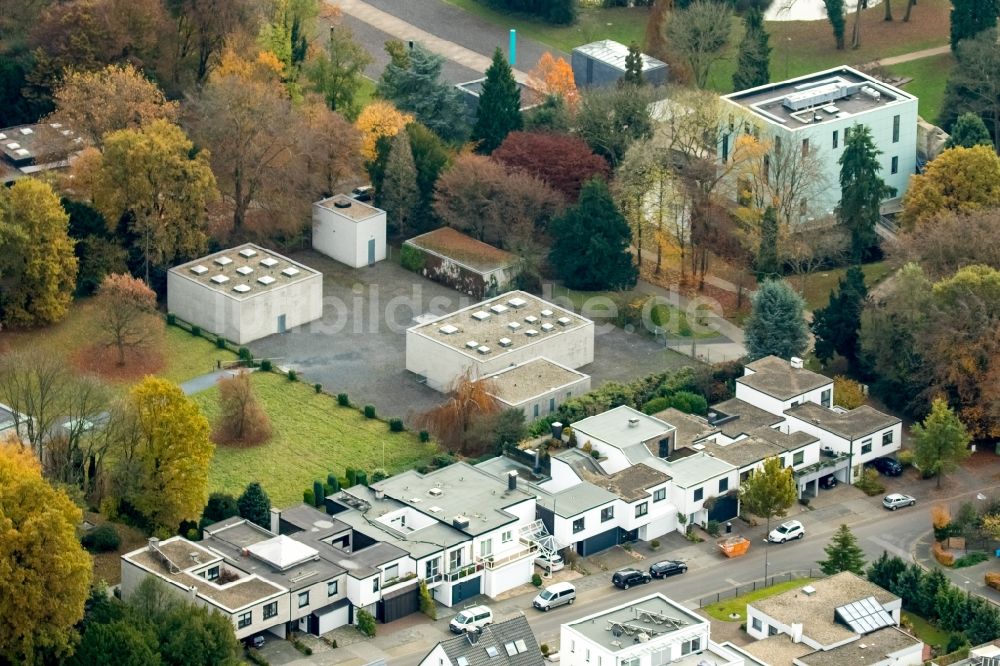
463, 529
815, 113
504, 643
489, 336
774, 385
841, 619
27, 150
536, 387
649, 631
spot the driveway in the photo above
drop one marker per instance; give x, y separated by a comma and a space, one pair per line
359, 346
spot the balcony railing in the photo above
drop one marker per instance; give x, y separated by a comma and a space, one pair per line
463, 572
823, 463
493, 562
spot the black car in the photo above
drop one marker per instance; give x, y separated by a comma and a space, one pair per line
626, 578
667, 568
828, 481
887, 466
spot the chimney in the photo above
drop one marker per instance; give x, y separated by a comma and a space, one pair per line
275, 520
473, 636
557, 429
538, 461
193, 592
633, 422
797, 632
154, 543
796, 362
512, 480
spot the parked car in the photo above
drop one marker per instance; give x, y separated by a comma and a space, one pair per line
828, 481
667, 568
626, 578
887, 466
553, 596
896, 500
363, 193
471, 619
791, 529
551, 563
257, 642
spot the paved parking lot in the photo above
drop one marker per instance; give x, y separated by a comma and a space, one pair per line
358, 347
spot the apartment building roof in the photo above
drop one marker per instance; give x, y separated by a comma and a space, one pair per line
778, 379
873, 648
621, 427
851, 425
517, 383
735, 417
507, 643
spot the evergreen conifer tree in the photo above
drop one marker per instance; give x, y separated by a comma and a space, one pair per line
838, 325
591, 241
835, 14
861, 190
255, 505
753, 61
633, 67
776, 325
969, 131
399, 195
767, 251
412, 82
499, 111
843, 554
971, 17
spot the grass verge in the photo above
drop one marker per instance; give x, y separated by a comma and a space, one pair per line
313, 436
815, 287
925, 631
930, 77
721, 610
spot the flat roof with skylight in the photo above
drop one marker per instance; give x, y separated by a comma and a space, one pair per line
244, 271
348, 207
833, 94
647, 619
501, 324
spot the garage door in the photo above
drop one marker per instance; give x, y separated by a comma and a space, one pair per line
329, 618
598, 542
465, 590
399, 603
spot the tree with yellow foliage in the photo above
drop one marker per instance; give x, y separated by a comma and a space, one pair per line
554, 76
377, 120
44, 572
960, 180
163, 454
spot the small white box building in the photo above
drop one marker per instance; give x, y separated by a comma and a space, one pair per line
245, 293
537, 387
491, 335
349, 231
816, 113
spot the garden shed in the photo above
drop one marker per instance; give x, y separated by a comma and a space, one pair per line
603, 63
450, 257
348, 230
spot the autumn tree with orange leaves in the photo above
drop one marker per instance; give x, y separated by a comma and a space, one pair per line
379, 119
453, 422
242, 420
554, 76
127, 313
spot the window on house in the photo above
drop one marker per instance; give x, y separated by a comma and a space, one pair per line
805, 147
847, 134
693, 645
455, 559
486, 547
607, 513
303, 599
578, 525
777, 144
270, 610
798, 458
587, 655
432, 567
866, 446
825, 397
507, 536
552, 405
725, 147
699, 494
772, 631
781, 461
212, 573
572, 647
887, 438
331, 588
536, 410
391, 572
836, 138
723, 485
756, 624
244, 620
569, 394
894, 165
375, 585
795, 403
641, 509
659, 494
631, 661
895, 129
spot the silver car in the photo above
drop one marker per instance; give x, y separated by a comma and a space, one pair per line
896, 500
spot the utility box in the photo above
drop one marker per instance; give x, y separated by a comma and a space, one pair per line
349, 231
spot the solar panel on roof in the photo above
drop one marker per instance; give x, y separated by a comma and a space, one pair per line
865, 616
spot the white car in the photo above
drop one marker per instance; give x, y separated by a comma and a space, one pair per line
788, 530
896, 500
471, 619
550, 563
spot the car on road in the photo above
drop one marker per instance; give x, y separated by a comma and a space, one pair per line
895, 500
626, 578
551, 563
553, 596
887, 466
791, 529
471, 619
667, 568
363, 193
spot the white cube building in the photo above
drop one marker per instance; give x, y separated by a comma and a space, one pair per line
349, 231
245, 293
489, 336
816, 113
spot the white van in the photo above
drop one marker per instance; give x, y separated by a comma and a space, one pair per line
471, 619
554, 595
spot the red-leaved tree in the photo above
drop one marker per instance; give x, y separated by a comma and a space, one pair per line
562, 161
127, 313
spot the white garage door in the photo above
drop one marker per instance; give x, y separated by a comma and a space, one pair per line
333, 618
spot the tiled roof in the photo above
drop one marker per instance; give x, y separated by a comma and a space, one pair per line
502, 639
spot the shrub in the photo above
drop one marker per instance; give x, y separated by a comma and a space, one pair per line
342, 400
302, 647
309, 497
943, 557
425, 436
427, 606
244, 354
195, 330
442, 460
411, 258
940, 516
869, 483
171, 319
655, 543
101, 539
293, 376
318, 388
366, 623
327, 489
656, 405
847, 393
318, 492
396, 425
352, 477
369, 411
905, 458
712, 527
545, 649
379, 474
992, 579
595, 454
333, 481
689, 403
193, 534
265, 365
220, 342
361, 478
255, 657
536, 580
956, 642
219, 507
971, 559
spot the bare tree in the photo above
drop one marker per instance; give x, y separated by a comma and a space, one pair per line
468, 402
811, 246
699, 35
127, 313
32, 384
75, 451
242, 419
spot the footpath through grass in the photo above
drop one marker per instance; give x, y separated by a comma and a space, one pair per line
313, 436
721, 610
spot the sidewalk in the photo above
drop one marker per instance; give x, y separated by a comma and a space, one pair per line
969, 579
205, 382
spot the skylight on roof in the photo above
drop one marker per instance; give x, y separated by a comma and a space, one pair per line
22, 152
462, 661
248, 252
265, 279
865, 616
531, 319
492, 651
510, 648
547, 327
517, 302
520, 645
220, 279
13, 145
26, 131
504, 342
546, 313
480, 315
498, 309
471, 344
513, 326
448, 329
531, 332
244, 270
199, 269
269, 262
3, 136
223, 261
564, 321
291, 271
241, 288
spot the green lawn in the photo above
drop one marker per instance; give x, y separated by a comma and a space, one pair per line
313, 436
722, 609
365, 94
930, 75
926, 631
817, 286
189, 357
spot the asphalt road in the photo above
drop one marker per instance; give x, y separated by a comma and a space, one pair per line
894, 532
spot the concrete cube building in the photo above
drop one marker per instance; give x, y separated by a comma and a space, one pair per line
245, 293
603, 64
489, 336
537, 387
349, 231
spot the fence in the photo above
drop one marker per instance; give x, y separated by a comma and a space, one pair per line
746, 588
